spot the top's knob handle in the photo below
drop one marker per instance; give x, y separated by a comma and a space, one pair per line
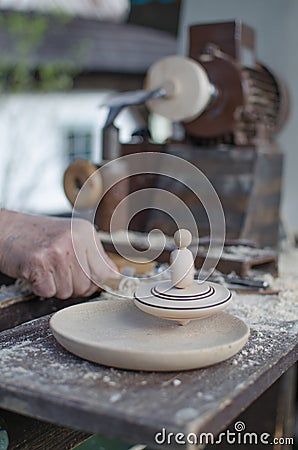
182, 261
182, 238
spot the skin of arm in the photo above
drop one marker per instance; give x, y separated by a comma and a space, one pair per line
58, 257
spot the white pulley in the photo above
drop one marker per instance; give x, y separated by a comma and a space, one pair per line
186, 84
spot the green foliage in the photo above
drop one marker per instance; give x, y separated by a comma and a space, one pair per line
27, 31
56, 76
26, 34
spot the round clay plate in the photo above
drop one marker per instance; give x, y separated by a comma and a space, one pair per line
116, 333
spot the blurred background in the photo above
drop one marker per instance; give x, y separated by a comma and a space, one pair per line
60, 59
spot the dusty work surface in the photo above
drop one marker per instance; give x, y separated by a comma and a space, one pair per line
41, 379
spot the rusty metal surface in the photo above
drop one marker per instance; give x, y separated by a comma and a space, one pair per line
249, 99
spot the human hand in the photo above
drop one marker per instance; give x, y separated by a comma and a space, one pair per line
58, 257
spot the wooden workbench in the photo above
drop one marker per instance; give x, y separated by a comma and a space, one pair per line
39, 378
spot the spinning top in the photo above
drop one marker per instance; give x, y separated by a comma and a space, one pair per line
182, 298
116, 334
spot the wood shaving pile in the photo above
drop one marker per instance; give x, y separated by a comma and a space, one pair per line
126, 288
15, 293
20, 287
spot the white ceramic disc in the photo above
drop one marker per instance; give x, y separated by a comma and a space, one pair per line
186, 81
117, 334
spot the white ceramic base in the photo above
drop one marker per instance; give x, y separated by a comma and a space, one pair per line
116, 334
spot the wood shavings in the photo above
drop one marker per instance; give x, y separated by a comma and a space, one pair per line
172, 381
257, 311
20, 287
15, 293
287, 283
235, 252
115, 397
269, 315
287, 287
126, 288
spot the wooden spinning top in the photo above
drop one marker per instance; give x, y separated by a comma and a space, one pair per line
182, 298
117, 334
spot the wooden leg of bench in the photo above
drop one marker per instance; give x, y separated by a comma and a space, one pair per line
30, 434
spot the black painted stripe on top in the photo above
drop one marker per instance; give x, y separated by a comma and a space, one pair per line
181, 309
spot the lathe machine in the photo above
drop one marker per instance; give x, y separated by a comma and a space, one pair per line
231, 107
